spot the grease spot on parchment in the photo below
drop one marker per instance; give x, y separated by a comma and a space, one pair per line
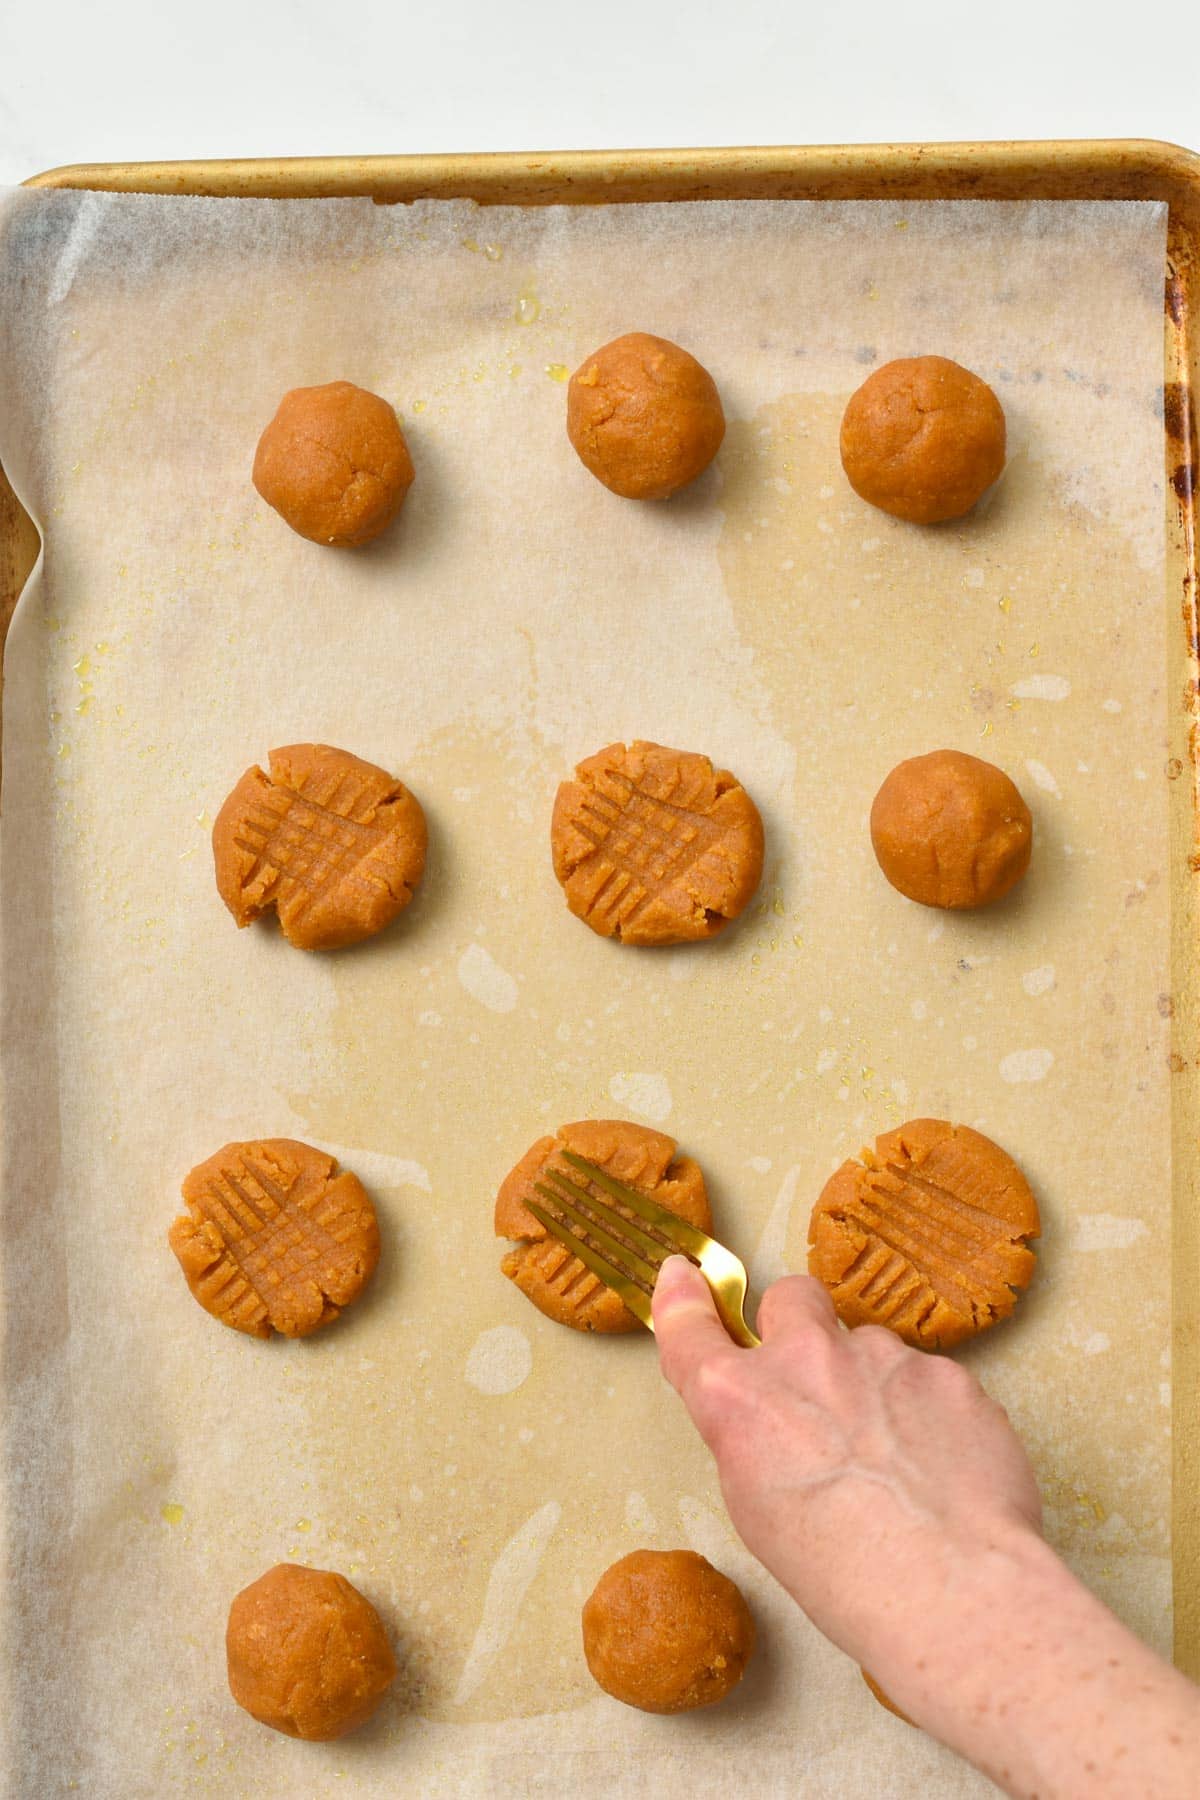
1106, 1231
685, 962
376, 1169
485, 980
646, 1095
703, 1529
1041, 687
1026, 1065
509, 1582
1041, 777
499, 1360
638, 1516
767, 1263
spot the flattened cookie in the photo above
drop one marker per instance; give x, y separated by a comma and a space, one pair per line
557, 1282
655, 846
334, 844
926, 1234
274, 1238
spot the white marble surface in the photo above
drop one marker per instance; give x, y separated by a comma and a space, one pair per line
152, 78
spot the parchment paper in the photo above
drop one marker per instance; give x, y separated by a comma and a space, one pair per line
471, 1466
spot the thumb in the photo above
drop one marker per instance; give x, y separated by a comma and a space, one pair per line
686, 1325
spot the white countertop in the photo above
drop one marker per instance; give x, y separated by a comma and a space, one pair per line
81, 82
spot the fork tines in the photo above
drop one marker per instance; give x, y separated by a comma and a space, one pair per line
624, 1252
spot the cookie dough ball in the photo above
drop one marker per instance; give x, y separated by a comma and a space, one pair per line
665, 1631
928, 1234
334, 464
655, 846
276, 1237
951, 830
545, 1270
922, 439
334, 844
644, 416
882, 1698
307, 1654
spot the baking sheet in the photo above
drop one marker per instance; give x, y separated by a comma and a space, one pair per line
471, 1466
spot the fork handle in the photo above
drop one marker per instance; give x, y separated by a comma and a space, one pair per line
740, 1332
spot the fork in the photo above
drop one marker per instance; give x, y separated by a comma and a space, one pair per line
625, 1252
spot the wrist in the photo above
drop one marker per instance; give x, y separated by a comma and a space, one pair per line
955, 1592
1021, 1669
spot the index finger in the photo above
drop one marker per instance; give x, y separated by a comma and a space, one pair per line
796, 1303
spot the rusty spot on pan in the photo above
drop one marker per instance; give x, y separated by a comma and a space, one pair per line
1179, 421
1178, 417
1176, 297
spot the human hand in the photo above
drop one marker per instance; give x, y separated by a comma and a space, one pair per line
894, 1502
864, 1474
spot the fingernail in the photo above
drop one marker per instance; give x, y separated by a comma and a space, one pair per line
675, 1272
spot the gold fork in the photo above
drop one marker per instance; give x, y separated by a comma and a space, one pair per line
627, 1253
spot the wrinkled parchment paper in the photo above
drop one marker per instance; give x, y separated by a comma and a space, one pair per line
472, 1467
